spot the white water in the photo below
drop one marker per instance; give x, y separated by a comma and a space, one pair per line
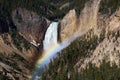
51, 35
50, 39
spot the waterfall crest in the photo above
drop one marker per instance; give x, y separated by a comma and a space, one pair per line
51, 35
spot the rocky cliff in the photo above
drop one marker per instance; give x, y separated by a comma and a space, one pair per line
99, 41
15, 58
109, 48
91, 18
20, 40
94, 55
30, 25
87, 19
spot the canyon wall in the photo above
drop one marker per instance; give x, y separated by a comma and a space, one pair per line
30, 24
71, 23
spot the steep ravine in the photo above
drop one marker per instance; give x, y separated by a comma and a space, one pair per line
95, 53
30, 25
82, 23
23, 25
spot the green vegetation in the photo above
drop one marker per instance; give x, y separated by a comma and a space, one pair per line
14, 60
16, 56
19, 41
42, 7
3, 77
64, 65
50, 8
109, 6
104, 72
10, 61
19, 18
78, 5
60, 67
15, 66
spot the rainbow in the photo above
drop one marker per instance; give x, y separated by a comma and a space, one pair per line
47, 54
44, 59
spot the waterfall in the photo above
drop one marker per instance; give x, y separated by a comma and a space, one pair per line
51, 48
51, 35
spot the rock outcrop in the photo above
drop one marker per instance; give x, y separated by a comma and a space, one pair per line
14, 63
88, 19
30, 25
113, 23
6, 46
109, 49
68, 25
14, 67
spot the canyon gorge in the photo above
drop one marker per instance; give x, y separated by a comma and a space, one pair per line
59, 40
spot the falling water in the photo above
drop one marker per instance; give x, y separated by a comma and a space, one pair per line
51, 35
50, 39
51, 48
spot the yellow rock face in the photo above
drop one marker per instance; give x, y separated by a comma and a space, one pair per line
114, 22
68, 25
71, 24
